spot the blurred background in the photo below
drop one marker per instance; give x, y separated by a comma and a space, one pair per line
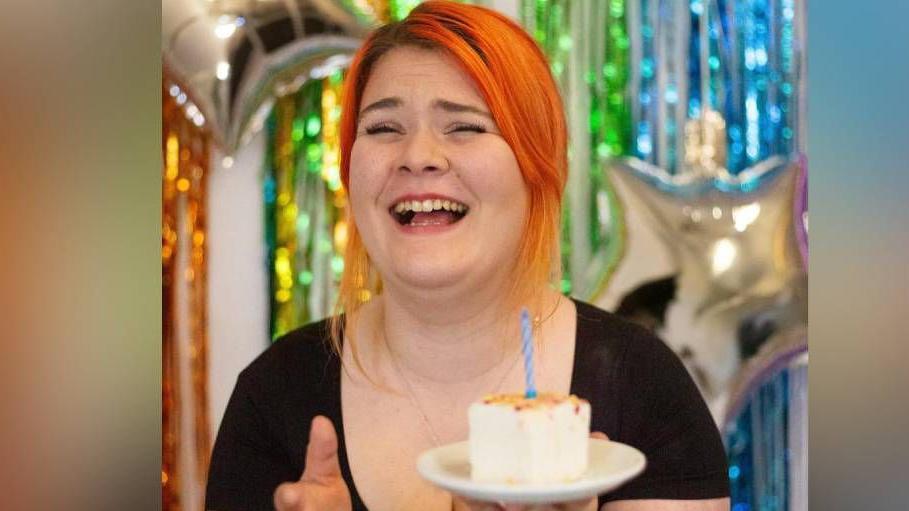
686, 207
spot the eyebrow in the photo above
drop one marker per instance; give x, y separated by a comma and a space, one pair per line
441, 104
381, 104
450, 106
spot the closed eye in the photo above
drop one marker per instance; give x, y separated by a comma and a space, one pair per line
381, 128
469, 127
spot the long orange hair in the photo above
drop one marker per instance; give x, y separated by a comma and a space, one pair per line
513, 77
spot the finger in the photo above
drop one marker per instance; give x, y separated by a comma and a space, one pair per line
322, 452
600, 435
286, 497
466, 504
578, 505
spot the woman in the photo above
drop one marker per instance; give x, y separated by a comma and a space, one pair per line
453, 151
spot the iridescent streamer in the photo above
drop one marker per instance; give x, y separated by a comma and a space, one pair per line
399, 9
610, 128
587, 47
170, 476
761, 61
368, 11
382, 11
305, 232
197, 280
667, 41
798, 436
527, 350
613, 136
184, 192
757, 450
330, 225
280, 208
729, 69
643, 74
766, 429
313, 220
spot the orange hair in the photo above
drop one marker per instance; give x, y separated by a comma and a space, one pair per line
513, 76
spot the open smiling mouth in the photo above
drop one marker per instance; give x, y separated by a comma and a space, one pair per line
428, 212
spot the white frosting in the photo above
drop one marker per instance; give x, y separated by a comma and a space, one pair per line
518, 440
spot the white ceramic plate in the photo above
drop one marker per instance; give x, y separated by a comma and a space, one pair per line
610, 464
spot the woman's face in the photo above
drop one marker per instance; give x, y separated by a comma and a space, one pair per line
435, 190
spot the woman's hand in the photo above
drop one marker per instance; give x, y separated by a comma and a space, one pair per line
321, 488
464, 504
471, 505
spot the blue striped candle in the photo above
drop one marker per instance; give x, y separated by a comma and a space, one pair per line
527, 348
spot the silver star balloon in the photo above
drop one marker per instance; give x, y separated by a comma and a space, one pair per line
734, 255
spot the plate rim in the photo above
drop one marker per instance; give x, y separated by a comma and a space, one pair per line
537, 493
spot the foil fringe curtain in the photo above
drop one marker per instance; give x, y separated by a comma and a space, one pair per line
767, 442
306, 231
588, 48
381, 11
184, 190
725, 69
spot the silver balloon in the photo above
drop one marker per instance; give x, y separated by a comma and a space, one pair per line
737, 272
234, 57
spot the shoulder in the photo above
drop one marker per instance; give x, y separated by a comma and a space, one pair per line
304, 353
604, 335
261, 439
630, 353
629, 368
648, 400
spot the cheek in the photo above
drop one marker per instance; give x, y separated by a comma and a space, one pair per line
498, 178
368, 179
365, 178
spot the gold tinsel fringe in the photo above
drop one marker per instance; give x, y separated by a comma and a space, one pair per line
186, 163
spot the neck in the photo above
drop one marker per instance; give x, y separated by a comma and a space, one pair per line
447, 340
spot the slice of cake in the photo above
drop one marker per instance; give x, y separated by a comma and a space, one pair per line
514, 439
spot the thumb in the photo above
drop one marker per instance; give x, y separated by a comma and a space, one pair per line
322, 452
600, 435
286, 496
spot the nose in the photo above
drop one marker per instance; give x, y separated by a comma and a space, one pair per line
423, 153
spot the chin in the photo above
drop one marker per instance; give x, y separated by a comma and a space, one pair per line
430, 277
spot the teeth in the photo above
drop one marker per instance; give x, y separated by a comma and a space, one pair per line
429, 205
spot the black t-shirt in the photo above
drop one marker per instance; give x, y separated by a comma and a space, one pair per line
640, 394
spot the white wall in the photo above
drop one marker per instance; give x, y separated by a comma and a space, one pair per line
237, 278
